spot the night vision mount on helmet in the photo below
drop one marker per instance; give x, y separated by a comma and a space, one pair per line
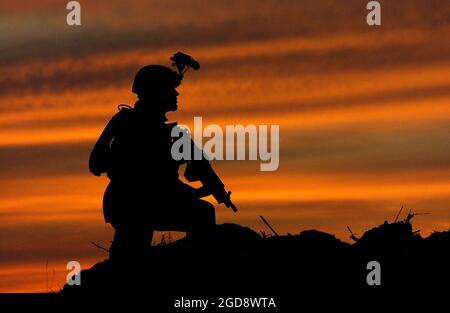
183, 62
156, 77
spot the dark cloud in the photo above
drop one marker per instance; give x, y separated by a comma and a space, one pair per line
113, 25
44, 160
199, 24
50, 122
402, 152
368, 99
280, 65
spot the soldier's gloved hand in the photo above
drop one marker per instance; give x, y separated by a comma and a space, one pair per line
202, 191
197, 192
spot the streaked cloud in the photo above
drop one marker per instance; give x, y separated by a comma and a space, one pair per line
364, 114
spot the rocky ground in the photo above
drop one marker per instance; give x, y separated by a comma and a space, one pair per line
307, 267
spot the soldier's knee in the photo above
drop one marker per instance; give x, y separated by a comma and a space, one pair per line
208, 205
208, 211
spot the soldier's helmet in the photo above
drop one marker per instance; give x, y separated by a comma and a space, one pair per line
152, 78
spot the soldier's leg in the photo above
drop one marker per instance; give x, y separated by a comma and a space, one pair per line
201, 219
131, 242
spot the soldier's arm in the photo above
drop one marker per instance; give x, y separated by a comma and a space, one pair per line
203, 191
200, 192
99, 160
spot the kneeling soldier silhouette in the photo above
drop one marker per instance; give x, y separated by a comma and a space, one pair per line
145, 193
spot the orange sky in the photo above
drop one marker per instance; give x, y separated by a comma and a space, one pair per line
364, 114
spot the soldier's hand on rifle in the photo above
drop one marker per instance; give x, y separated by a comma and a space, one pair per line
203, 191
200, 192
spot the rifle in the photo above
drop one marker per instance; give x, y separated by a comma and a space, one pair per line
201, 170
